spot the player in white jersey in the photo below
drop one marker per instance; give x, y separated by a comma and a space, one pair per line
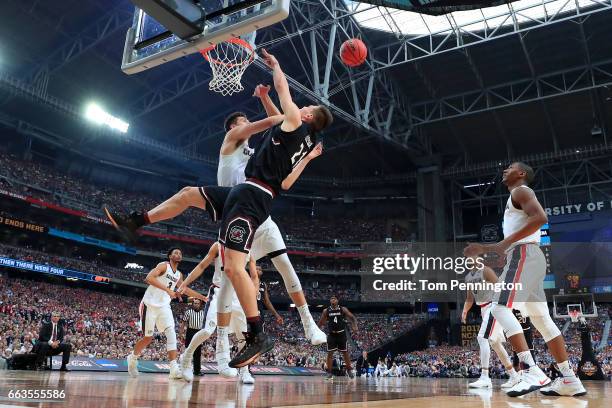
490, 334
237, 323
155, 311
525, 264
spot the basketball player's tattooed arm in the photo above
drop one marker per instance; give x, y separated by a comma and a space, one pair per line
213, 252
299, 168
159, 270
262, 92
293, 117
323, 318
467, 305
351, 317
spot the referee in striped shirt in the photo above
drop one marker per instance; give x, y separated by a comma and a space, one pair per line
194, 317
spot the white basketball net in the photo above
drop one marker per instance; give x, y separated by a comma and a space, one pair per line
228, 61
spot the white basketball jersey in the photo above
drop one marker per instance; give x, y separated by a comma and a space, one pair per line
156, 297
515, 219
480, 296
231, 166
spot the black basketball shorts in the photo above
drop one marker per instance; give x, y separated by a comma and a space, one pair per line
241, 210
337, 341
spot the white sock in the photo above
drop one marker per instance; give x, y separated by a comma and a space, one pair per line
511, 372
223, 349
484, 373
526, 358
305, 314
173, 363
135, 355
565, 369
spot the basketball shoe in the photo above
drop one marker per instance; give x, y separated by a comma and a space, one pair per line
532, 378
564, 386
482, 382
126, 226
175, 371
255, 346
244, 376
186, 368
512, 381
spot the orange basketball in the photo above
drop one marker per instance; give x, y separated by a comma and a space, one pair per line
353, 52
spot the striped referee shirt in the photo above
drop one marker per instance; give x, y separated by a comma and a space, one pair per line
195, 320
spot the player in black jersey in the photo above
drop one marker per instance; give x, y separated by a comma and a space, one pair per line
335, 316
263, 297
275, 166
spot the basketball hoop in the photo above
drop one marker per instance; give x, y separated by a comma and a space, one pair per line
575, 315
228, 61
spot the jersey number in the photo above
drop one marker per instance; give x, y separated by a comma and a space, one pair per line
295, 159
170, 285
335, 319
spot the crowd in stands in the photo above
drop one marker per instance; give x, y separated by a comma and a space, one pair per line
96, 267
37, 180
106, 325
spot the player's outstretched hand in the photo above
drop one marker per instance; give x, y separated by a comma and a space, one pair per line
279, 319
261, 91
316, 152
269, 59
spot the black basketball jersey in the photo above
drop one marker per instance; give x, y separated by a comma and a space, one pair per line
260, 295
278, 154
335, 319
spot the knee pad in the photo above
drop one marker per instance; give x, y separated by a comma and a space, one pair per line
285, 268
506, 318
170, 338
546, 326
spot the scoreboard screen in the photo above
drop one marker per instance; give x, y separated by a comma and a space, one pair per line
437, 7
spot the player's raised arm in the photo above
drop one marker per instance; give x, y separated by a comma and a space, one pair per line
243, 132
299, 168
293, 117
159, 270
262, 92
467, 305
351, 317
213, 252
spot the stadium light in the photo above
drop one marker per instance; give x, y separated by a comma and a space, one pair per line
98, 115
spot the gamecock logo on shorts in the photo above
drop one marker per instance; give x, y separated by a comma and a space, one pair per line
236, 234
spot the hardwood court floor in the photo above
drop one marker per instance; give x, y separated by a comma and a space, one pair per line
101, 389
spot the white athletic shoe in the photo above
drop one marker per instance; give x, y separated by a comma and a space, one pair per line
512, 381
564, 386
186, 367
244, 376
531, 379
132, 363
482, 382
314, 334
175, 371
